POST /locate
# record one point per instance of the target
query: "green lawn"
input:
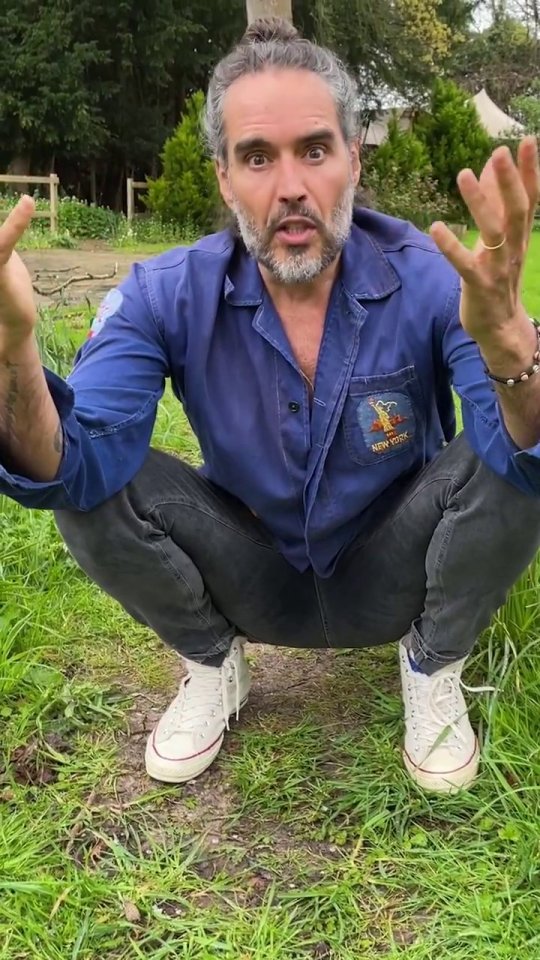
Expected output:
(531, 278)
(305, 841)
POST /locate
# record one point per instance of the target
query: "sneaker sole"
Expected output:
(450, 782)
(159, 768)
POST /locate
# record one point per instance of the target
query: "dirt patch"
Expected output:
(53, 267)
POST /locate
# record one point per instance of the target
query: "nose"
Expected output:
(290, 186)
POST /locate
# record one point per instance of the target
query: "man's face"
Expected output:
(290, 177)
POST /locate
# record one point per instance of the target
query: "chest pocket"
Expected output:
(382, 417)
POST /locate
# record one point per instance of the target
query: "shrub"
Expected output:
(187, 191)
(402, 154)
(453, 136)
(86, 221)
(414, 198)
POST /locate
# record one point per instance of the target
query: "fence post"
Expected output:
(53, 185)
(130, 199)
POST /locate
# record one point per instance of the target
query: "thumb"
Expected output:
(14, 226)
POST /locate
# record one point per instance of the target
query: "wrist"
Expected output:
(18, 350)
(510, 351)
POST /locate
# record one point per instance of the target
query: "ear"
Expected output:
(356, 166)
(223, 182)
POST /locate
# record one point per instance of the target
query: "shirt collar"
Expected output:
(366, 272)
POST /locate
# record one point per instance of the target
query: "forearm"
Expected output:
(506, 356)
(30, 431)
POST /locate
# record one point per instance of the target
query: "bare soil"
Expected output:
(50, 268)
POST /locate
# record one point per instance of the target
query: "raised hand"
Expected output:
(17, 307)
(502, 203)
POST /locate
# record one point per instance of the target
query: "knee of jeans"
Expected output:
(510, 505)
(90, 531)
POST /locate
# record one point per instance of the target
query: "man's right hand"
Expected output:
(18, 312)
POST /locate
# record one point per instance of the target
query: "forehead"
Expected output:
(278, 105)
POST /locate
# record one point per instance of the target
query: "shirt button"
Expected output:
(294, 406)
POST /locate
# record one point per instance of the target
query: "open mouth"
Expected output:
(296, 231)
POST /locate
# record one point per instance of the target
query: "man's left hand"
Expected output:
(502, 203)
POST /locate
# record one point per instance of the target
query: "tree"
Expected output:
(398, 44)
(401, 154)
(453, 135)
(526, 108)
(46, 105)
(187, 190)
(501, 58)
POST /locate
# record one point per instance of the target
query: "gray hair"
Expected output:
(273, 42)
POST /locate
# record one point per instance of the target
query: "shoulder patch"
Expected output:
(110, 304)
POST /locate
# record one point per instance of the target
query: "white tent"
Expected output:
(495, 121)
(376, 131)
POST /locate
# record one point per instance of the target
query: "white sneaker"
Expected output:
(441, 750)
(190, 733)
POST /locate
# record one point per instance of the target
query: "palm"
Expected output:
(502, 203)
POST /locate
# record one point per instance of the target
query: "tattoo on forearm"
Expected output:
(11, 400)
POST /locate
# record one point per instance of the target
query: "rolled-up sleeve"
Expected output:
(107, 406)
(483, 421)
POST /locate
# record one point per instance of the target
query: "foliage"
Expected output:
(86, 221)
(45, 100)
(399, 44)
(526, 108)
(401, 154)
(502, 58)
(453, 136)
(413, 197)
(187, 191)
(147, 229)
(101, 85)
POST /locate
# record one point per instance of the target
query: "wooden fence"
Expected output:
(131, 186)
(53, 181)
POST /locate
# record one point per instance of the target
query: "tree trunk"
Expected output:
(268, 8)
(19, 164)
(93, 183)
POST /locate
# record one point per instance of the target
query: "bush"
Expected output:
(86, 221)
(76, 219)
(402, 154)
(453, 136)
(415, 198)
(187, 192)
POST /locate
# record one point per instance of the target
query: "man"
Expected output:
(313, 350)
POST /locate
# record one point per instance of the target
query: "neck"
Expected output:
(316, 292)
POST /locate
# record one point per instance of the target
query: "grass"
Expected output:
(530, 280)
(305, 841)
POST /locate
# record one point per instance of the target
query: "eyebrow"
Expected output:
(259, 143)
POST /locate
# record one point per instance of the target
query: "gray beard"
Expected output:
(299, 266)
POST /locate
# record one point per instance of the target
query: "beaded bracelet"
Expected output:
(521, 377)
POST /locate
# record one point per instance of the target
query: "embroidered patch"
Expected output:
(109, 305)
(387, 421)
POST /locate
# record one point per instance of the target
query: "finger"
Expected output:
(515, 198)
(483, 207)
(454, 251)
(14, 226)
(529, 172)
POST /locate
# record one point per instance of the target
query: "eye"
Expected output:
(256, 160)
(316, 152)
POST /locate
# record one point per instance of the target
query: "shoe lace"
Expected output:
(438, 708)
(203, 688)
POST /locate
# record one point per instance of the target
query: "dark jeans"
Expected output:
(195, 565)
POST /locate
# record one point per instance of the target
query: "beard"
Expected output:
(298, 265)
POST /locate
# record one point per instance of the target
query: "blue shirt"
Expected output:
(315, 474)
